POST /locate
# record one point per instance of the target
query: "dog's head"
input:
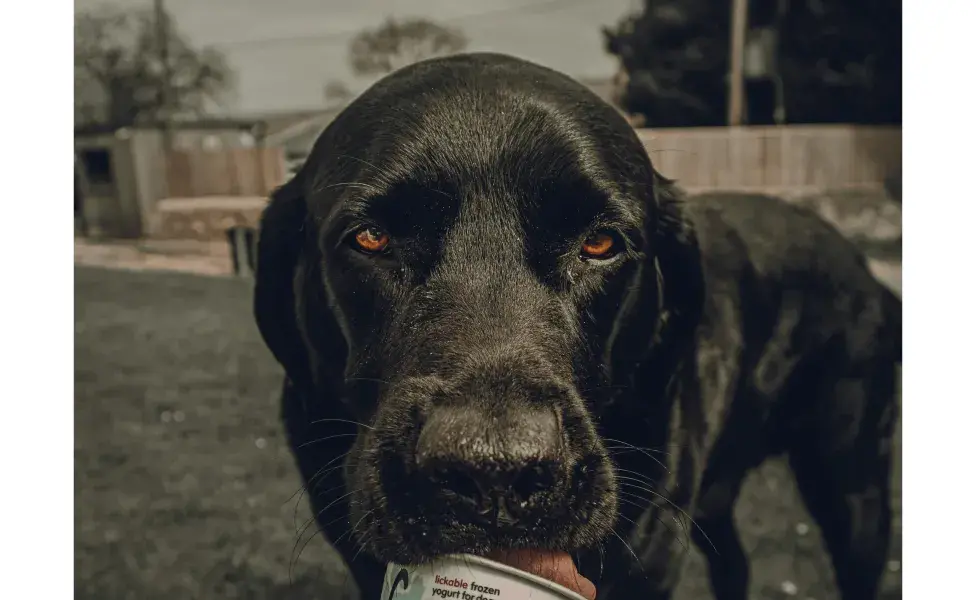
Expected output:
(476, 254)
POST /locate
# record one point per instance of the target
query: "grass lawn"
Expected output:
(184, 486)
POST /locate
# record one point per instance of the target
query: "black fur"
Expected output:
(728, 329)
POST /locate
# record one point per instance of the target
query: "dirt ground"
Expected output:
(184, 486)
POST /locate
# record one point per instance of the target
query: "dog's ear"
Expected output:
(667, 306)
(280, 280)
(679, 284)
(678, 264)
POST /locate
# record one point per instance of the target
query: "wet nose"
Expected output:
(492, 468)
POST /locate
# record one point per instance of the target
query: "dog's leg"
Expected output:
(843, 471)
(714, 531)
(715, 535)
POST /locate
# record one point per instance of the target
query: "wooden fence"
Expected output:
(226, 172)
(792, 159)
(785, 160)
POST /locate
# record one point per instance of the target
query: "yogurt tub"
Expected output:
(468, 577)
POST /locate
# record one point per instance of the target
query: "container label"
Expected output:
(409, 584)
(403, 585)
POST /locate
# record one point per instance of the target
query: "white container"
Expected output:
(467, 577)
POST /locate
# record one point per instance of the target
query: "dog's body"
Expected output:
(490, 357)
(796, 353)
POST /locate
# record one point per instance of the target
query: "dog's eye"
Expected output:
(371, 240)
(600, 245)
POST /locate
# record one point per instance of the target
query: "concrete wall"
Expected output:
(148, 156)
(111, 209)
(127, 208)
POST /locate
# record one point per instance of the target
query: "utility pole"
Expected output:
(779, 113)
(162, 42)
(737, 37)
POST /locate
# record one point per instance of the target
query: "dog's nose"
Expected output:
(492, 468)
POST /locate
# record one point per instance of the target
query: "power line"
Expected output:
(340, 36)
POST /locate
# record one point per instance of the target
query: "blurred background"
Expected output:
(189, 112)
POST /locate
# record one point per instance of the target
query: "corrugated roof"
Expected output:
(299, 138)
(206, 124)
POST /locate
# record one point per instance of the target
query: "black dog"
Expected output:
(479, 274)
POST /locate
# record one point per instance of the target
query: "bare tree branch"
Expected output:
(395, 44)
(118, 73)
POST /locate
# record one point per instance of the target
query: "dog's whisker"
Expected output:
(311, 487)
(322, 475)
(621, 450)
(644, 477)
(330, 467)
(629, 548)
(657, 518)
(314, 491)
(351, 531)
(294, 558)
(601, 552)
(648, 504)
(314, 488)
(624, 479)
(601, 388)
(670, 529)
(327, 438)
(368, 379)
(627, 446)
(362, 546)
(333, 503)
(677, 508)
(361, 161)
(311, 479)
(300, 531)
(369, 189)
(318, 530)
(297, 557)
(625, 517)
(317, 421)
(349, 184)
(642, 451)
(323, 470)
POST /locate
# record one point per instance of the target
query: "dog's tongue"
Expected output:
(557, 567)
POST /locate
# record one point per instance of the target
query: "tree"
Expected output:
(675, 56)
(839, 61)
(336, 92)
(395, 44)
(120, 79)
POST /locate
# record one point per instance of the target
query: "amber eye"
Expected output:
(599, 246)
(371, 240)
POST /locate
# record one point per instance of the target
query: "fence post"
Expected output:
(243, 250)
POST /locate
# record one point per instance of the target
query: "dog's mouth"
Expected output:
(408, 517)
(558, 567)
(446, 469)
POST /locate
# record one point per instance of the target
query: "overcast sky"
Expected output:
(284, 51)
